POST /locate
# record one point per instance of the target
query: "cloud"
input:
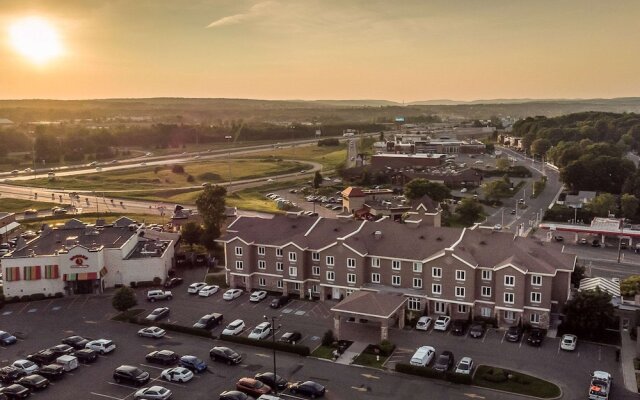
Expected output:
(255, 11)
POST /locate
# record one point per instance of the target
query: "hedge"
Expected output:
(171, 327)
(269, 344)
(431, 373)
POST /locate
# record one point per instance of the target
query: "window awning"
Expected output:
(86, 276)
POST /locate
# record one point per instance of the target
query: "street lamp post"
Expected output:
(273, 338)
(229, 138)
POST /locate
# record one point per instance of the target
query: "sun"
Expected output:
(36, 39)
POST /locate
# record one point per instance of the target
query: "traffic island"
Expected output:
(514, 382)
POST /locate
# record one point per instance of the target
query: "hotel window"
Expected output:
(279, 284)
(262, 282)
(315, 289)
(279, 253)
(351, 278)
(375, 278)
(239, 251)
(417, 267)
(436, 272)
(293, 271)
(534, 318)
(417, 283)
(536, 297)
(509, 280)
(51, 272)
(485, 311)
(331, 276)
(486, 291)
(239, 265)
(486, 275)
(375, 262)
(330, 261)
(296, 286)
(462, 308)
(414, 304)
(436, 288)
(460, 275)
(315, 270)
(509, 298)
(261, 250)
(395, 265)
(351, 262)
(536, 280)
(395, 280)
(439, 307)
(509, 315)
(279, 266)
(262, 264)
(293, 256)
(315, 256)
(459, 291)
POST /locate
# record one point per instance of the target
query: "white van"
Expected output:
(423, 356)
(67, 362)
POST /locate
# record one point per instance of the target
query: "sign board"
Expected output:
(318, 132)
(399, 119)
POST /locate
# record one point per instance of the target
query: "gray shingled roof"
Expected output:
(277, 231)
(367, 303)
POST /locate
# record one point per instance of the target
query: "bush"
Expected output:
(495, 375)
(268, 344)
(428, 372)
(157, 281)
(57, 295)
(190, 178)
(184, 329)
(143, 284)
(25, 298)
(328, 338)
(386, 348)
(177, 169)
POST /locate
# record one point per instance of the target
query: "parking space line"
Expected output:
(23, 308)
(106, 395)
(153, 366)
(72, 301)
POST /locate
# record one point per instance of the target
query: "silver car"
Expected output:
(153, 393)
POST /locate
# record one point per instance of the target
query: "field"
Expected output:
(19, 205)
(329, 156)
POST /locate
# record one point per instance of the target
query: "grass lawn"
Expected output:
(514, 382)
(328, 156)
(369, 360)
(19, 205)
(323, 352)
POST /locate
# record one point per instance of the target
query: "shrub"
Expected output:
(26, 297)
(495, 375)
(124, 298)
(185, 329)
(268, 344)
(177, 169)
(386, 348)
(487, 320)
(156, 281)
(143, 284)
(190, 178)
(328, 338)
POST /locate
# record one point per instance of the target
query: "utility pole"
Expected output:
(273, 338)
(229, 137)
(502, 217)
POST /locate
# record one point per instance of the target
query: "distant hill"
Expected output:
(446, 102)
(358, 103)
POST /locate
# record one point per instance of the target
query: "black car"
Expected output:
(43, 357)
(164, 357)
(536, 336)
(53, 372)
(172, 282)
(10, 374)
(279, 301)
(458, 327)
(291, 337)
(34, 382)
(15, 391)
(514, 333)
(476, 331)
(233, 395)
(86, 356)
(267, 378)
(209, 321)
(61, 350)
(130, 374)
(309, 388)
(6, 338)
(225, 354)
(444, 361)
(77, 342)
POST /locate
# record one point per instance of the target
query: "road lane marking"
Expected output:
(369, 376)
(23, 308)
(106, 395)
(153, 366)
(56, 308)
(7, 313)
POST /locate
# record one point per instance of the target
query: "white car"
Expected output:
(153, 393)
(234, 328)
(261, 331)
(258, 295)
(27, 366)
(463, 190)
(569, 342)
(465, 366)
(497, 227)
(177, 374)
(102, 346)
(194, 288)
(208, 290)
(424, 323)
(232, 294)
(442, 323)
(152, 332)
(423, 356)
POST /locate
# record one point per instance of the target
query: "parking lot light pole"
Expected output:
(273, 339)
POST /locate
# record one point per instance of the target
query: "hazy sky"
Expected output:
(329, 49)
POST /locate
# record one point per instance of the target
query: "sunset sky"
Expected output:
(323, 49)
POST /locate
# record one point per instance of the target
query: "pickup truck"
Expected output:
(600, 385)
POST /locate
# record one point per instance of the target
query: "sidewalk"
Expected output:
(628, 353)
(352, 352)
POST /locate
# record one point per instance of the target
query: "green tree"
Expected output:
(540, 146)
(317, 179)
(495, 190)
(419, 187)
(191, 233)
(469, 211)
(589, 313)
(123, 299)
(603, 205)
(502, 164)
(211, 207)
(630, 286)
(629, 205)
(577, 275)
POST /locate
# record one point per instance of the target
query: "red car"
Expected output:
(252, 387)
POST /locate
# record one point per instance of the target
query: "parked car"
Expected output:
(268, 379)
(458, 327)
(15, 391)
(173, 282)
(192, 363)
(102, 346)
(442, 323)
(262, 331)
(86, 356)
(61, 349)
(53, 372)
(465, 366)
(536, 336)
(10, 374)
(153, 393)
(27, 366)
(194, 288)
(42, 357)
(233, 395)
(252, 387)
(423, 323)
(279, 301)
(208, 290)
(234, 328)
(569, 342)
(497, 227)
(291, 337)
(164, 357)
(177, 374)
(152, 332)
(444, 361)
(476, 331)
(7, 338)
(232, 294)
(158, 314)
(34, 382)
(130, 374)
(514, 333)
(308, 388)
(423, 356)
(77, 342)
(225, 354)
(209, 321)
(258, 296)
(153, 295)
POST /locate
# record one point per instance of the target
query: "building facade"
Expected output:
(458, 272)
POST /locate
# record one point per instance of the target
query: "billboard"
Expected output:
(399, 119)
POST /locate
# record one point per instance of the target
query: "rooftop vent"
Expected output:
(377, 234)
